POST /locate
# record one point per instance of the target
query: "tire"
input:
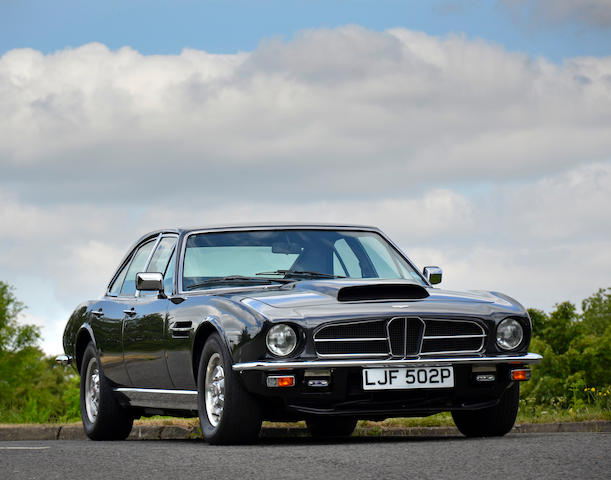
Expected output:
(493, 421)
(228, 414)
(328, 427)
(103, 417)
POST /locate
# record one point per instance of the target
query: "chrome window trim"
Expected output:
(354, 228)
(148, 261)
(129, 257)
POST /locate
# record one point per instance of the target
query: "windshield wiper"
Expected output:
(301, 273)
(234, 279)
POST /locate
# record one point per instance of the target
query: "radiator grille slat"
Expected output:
(399, 337)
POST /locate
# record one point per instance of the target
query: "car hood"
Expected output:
(340, 297)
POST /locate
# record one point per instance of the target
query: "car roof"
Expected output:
(278, 226)
(256, 226)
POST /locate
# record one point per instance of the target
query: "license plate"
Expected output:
(402, 378)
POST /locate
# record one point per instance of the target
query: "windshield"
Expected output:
(246, 257)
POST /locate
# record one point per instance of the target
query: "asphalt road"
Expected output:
(524, 456)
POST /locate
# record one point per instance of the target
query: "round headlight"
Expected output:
(509, 334)
(281, 340)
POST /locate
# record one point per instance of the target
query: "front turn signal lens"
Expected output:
(281, 381)
(520, 375)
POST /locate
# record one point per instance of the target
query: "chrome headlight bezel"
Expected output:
(278, 334)
(509, 334)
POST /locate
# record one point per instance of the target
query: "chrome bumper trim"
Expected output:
(64, 359)
(527, 358)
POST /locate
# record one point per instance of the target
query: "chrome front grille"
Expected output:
(399, 337)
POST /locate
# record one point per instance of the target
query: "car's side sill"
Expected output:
(527, 358)
(159, 398)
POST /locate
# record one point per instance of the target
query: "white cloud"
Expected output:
(492, 164)
(593, 12)
(323, 108)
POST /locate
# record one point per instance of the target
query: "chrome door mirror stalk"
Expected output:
(432, 274)
(150, 282)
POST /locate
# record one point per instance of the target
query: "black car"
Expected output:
(323, 323)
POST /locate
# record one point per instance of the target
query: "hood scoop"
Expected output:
(384, 291)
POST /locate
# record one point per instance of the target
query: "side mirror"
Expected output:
(150, 282)
(432, 275)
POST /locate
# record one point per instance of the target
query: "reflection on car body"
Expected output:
(326, 323)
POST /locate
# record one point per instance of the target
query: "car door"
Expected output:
(106, 319)
(145, 322)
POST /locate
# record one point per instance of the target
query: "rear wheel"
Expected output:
(493, 421)
(227, 412)
(321, 427)
(103, 417)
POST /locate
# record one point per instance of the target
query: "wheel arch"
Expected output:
(205, 329)
(83, 337)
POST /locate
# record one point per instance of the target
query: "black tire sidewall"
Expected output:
(212, 346)
(493, 421)
(112, 422)
(90, 427)
(241, 418)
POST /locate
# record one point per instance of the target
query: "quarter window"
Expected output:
(138, 265)
(118, 283)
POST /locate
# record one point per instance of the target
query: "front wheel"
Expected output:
(328, 427)
(227, 412)
(493, 421)
(103, 417)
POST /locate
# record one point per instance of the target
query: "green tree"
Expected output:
(32, 389)
(539, 319)
(561, 327)
(596, 316)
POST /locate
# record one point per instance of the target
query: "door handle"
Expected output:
(98, 313)
(131, 312)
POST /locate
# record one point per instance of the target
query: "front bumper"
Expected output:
(528, 358)
(344, 393)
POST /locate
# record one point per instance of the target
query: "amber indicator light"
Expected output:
(286, 381)
(281, 381)
(520, 375)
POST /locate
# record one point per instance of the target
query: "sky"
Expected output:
(477, 134)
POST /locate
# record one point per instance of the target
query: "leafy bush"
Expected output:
(576, 351)
(32, 388)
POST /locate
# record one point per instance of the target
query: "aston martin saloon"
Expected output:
(323, 323)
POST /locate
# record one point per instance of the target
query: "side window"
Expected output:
(168, 278)
(118, 283)
(346, 260)
(137, 265)
(163, 262)
(159, 262)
